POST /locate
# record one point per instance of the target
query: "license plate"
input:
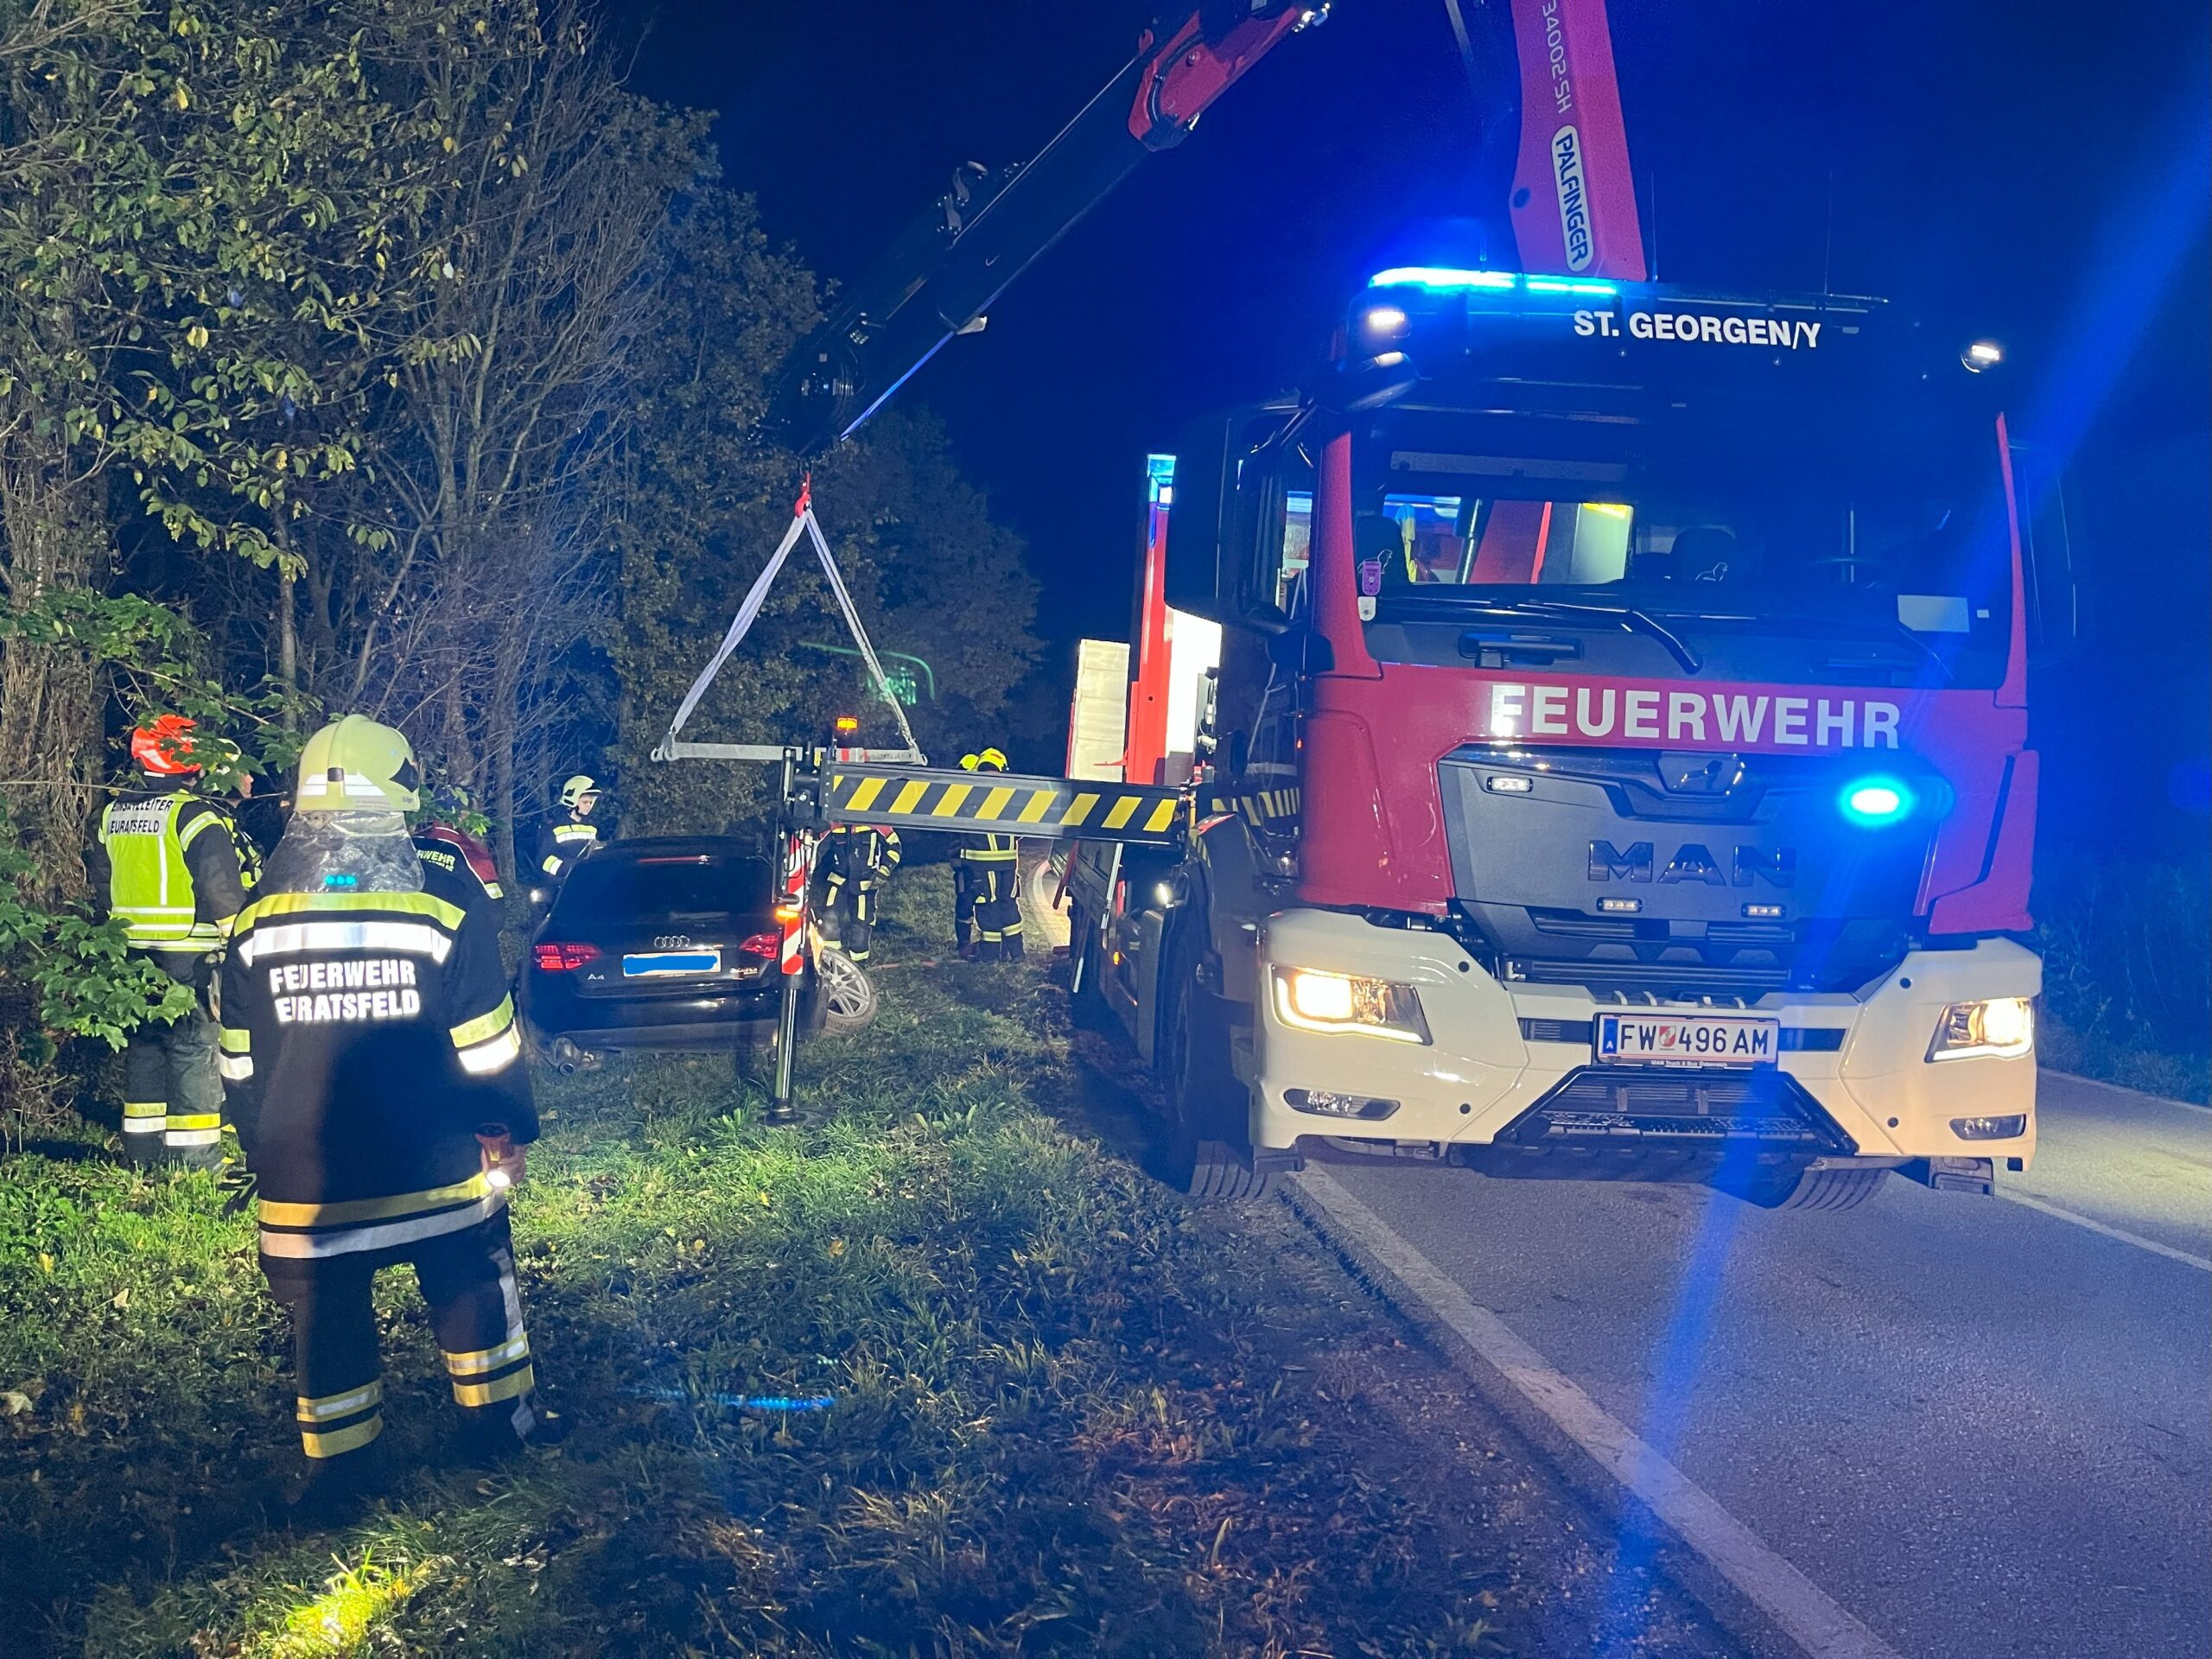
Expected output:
(1687, 1039)
(647, 965)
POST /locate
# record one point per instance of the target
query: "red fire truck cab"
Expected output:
(1616, 763)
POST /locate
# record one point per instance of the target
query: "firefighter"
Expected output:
(989, 858)
(456, 866)
(376, 1078)
(860, 858)
(564, 839)
(170, 863)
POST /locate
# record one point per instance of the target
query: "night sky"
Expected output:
(2034, 172)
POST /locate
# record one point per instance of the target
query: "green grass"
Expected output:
(1059, 1425)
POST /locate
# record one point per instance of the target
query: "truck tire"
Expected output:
(1207, 1126)
(1824, 1189)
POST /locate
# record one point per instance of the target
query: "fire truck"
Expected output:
(1581, 732)
(1608, 742)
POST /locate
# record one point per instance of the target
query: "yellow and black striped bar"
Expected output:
(1046, 808)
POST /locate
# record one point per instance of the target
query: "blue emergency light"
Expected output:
(1878, 802)
(1446, 279)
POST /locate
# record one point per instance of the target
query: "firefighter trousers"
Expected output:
(963, 908)
(998, 908)
(855, 904)
(859, 927)
(172, 1093)
(468, 1279)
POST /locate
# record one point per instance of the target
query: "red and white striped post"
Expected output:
(791, 916)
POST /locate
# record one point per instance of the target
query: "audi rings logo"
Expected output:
(670, 941)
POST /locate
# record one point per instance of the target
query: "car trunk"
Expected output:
(666, 927)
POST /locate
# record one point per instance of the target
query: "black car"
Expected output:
(673, 943)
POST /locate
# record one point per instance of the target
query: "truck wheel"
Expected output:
(1207, 1107)
(1822, 1189)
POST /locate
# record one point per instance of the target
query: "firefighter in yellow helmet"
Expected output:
(992, 881)
(167, 861)
(569, 834)
(377, 1080)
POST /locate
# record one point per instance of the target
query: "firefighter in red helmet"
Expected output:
(167, 861)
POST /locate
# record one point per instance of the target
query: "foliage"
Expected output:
(76, 972)
(159, 663)
(1071, 1415)
(2126, 981)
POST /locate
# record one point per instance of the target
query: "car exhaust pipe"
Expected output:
(566, 1056)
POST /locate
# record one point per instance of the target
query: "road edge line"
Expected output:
(2061, 1213)
(2200, 1108)
(1798, 1607)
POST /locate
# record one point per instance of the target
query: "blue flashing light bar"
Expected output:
(1444, 279)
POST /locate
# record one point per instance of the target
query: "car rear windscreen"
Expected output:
(620, 889)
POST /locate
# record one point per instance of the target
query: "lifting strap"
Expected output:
(803, 525)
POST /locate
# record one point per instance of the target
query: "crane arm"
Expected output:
(944, 273)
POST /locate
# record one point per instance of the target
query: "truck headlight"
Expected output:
(1997, 1027)
(1314, 1000)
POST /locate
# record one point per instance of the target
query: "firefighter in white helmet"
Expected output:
(568, 834)
(376, 1077)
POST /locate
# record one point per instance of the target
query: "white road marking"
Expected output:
(2202, 1109)
(1798, 1606)
(2137, 1239)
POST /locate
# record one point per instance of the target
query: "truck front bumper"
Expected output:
(1512, 1065)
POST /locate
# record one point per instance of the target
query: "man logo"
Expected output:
(1573, 197)
(1694, 861)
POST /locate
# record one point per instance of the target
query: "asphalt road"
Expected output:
(1979, 1427)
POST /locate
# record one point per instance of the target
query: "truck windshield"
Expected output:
(1903, 556)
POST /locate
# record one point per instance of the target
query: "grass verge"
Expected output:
(1065, 1413)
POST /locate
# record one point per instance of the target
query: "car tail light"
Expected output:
(769, 945)
(562, 958)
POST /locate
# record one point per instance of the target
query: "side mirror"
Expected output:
(1226, 518)
(1201, 516)
(2053, 599)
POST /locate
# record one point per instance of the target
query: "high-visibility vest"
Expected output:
(150, 884)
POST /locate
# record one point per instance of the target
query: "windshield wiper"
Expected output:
(1635, 620)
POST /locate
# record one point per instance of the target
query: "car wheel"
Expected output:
(1207, 1125)
(847, 995)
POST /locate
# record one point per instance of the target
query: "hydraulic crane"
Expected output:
(942, 275)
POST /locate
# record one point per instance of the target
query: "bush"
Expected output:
(2127, 984)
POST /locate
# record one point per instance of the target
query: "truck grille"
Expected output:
(1613, 1104)
(1637, 872)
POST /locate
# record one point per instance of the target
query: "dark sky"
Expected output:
(2037, 172)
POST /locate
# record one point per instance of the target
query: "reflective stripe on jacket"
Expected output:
(173, 872)
(365, 1039)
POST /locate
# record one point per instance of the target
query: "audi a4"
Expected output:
(673, 943)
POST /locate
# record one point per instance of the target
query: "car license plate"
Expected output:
(1687, 1039)
(647, 965)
